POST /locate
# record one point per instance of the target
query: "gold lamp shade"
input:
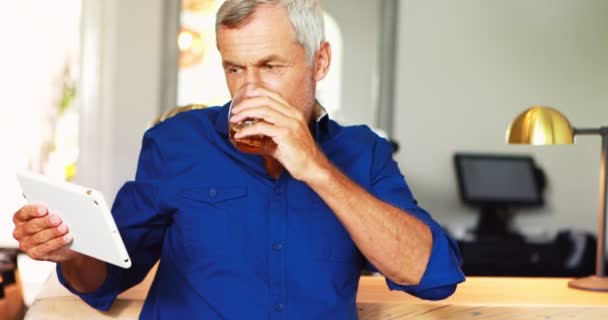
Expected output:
(540, 125)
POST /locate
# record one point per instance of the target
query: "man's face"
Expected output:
(263, 50)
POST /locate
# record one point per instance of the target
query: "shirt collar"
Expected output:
(319, 112)
(320, 115)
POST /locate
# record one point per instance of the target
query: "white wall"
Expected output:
(468, 67)
(122, 70)
(359, 21)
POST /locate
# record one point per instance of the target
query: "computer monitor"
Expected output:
(497, 184)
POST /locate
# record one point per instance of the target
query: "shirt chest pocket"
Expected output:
(209, 220)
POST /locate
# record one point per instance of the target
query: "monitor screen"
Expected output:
(498, 180)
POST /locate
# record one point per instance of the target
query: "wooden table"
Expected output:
(478, 298)
(486, 298)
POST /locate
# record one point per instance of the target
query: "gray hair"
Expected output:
(305, 16)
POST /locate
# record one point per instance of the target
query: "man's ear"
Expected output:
(322, 61)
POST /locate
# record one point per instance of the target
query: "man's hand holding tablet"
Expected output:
(70, 225)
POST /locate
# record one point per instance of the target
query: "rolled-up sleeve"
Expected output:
(443, 271)
(141, 221)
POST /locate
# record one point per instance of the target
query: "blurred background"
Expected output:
(81, 80)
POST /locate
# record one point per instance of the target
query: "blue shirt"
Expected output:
(235, 243)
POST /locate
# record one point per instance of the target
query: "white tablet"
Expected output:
(85, 212)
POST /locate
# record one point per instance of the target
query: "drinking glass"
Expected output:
(255, 144)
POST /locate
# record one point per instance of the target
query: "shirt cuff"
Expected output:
(442, 272)
(103, 297)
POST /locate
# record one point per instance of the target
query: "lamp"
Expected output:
(192, 47)
(545, 125)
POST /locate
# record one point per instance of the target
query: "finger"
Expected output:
(265, 101)
(42, 251)
(30, 240)
(39, 224)
(262, 112)
(261, 128)
(28, 212)
(19, 232)
(48, 234)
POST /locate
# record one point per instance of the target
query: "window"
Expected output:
(39, 122)
(39, 125)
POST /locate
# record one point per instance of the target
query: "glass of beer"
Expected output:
(255, 144)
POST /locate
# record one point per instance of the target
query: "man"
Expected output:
(240, 236)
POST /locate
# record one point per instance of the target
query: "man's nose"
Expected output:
(249, 89)
(254, 80)
(254, 76)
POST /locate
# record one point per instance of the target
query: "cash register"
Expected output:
(499, 186)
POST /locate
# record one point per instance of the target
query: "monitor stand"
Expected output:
(494, 223)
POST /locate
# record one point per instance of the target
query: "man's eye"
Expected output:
(234, 70)
(270, 67)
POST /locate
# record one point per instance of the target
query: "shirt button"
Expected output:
(277, 246)
(277, 189)
(278, 307)
(212, 193)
